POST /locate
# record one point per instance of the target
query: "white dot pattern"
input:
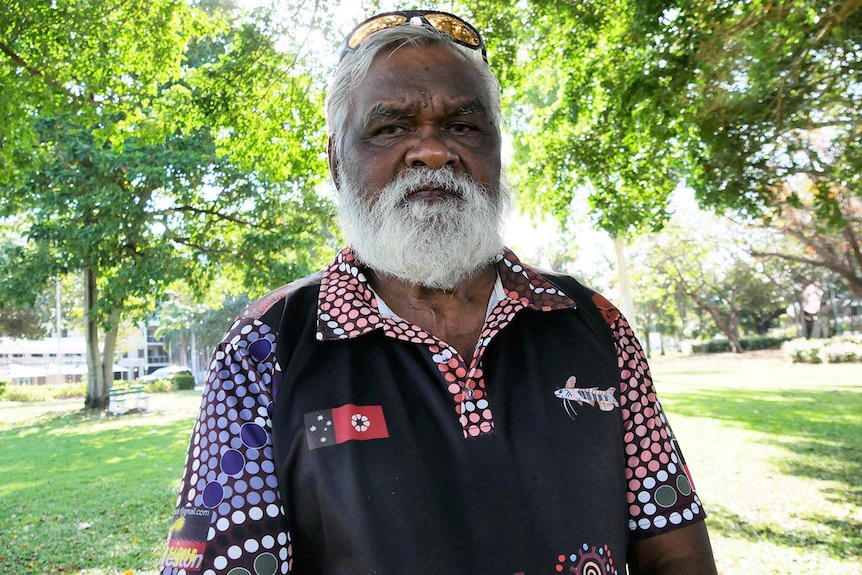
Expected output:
(347, 308)
(229, 468)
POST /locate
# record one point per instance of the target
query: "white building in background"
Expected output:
(41, 361)
(64, 360)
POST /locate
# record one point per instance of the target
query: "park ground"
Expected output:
(775, 450)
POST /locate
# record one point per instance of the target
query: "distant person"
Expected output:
(812, 297)
(429, 404)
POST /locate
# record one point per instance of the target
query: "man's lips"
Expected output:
(431, 193)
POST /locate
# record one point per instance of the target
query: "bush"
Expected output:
(28, 393)
(841, 349)
(176, 382)
(159, 386)
(69, 390)
(763, 342)
(748, 344)
(182, 381)
(712, 346)
(3, 384)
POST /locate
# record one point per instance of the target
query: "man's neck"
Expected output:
(455, 316)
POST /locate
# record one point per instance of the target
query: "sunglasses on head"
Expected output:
(459, 30)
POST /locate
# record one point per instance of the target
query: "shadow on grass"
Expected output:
(82, 442)
(820, 428)
(838, 539)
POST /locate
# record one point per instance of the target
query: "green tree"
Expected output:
(630, 97)
(701, 260)
(147, 160)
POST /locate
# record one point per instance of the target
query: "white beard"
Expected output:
(436, 244)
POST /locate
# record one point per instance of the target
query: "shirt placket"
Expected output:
(347, 308)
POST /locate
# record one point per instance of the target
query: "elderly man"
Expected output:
(429, 404)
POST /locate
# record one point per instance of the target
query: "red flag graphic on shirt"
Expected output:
(346, 423)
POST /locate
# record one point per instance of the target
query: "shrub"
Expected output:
(763, 342)
(183, 381)
(69, 390)
(748, 344)
(841, 349)
(712, 346)
(31, 393)
(27, 393)
(802, 351)
(159, 386)
(3, 384)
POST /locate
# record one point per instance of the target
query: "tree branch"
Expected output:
(19, 62)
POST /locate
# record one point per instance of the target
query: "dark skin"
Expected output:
(424, 106)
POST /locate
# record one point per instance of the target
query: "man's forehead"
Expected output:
(420, 76)
(389, 108)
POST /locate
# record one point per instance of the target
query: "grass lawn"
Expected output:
(775, 450)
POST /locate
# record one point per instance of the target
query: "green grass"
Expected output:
(85, 492)
(776, 453)
(775, 449)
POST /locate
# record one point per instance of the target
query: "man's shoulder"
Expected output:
(277, 297)
(584, 296)
(568, 284)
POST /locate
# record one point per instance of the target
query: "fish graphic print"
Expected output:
(592, 396)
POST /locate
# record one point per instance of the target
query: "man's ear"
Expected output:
(333, 161)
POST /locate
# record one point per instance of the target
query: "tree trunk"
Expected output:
(626, 304)
(728, 326)
(183, 350)
(108, 350)
(100, 362)
(97, 391)
(195, 359)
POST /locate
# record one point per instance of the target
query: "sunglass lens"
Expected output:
(455, 28)
(381, 23)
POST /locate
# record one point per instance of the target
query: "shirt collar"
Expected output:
(347, 306)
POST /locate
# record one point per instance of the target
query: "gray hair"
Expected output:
(353, 68)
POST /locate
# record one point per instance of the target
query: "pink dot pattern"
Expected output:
(660, 492)
(347, 308)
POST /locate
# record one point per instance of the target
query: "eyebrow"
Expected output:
(474, 106)
(384, 112)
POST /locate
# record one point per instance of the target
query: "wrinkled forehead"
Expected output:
(423, 76)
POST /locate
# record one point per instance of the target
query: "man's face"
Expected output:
(419, 173)
(420, 106)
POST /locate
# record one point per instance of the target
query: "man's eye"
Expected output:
(461, 128)
(390, 130)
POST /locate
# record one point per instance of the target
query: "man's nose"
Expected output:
(430, 149)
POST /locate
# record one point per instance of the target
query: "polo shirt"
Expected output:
(333, 439)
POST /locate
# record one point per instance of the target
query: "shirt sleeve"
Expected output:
(229, 517)
(661, 494)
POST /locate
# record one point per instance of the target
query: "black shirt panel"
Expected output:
(426, 499)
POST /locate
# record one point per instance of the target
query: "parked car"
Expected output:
(164, 373)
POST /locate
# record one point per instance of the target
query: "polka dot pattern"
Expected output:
(659, 489)
(588, 560)
(347, 307)
(230, 469)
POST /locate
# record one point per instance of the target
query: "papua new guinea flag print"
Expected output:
(346, 423)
